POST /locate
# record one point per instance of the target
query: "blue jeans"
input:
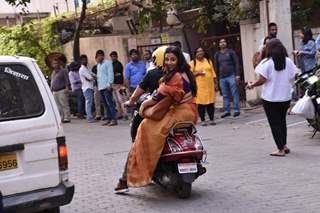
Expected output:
(229, 84)
(107, 100)
(80, 101)
(88, 94)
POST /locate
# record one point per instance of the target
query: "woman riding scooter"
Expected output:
(177, 85)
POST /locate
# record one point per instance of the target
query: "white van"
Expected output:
(33, 154)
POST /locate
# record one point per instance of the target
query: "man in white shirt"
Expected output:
(273, 32)
(186, 55)
(87, 80)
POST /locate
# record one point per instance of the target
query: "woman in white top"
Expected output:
(276, 73)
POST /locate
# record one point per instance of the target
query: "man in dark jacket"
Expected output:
(228, 68)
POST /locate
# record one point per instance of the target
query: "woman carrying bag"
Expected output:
(202, 68)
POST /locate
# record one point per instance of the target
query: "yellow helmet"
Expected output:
(158, 56)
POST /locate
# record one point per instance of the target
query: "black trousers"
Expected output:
(276, 113)
(202, 111)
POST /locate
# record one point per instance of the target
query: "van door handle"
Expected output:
(11, 148)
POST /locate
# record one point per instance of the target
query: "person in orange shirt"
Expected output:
(202, 68)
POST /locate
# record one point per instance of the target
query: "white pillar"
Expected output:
(280, 13)
(251, 35)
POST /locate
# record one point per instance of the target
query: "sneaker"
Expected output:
(121, 187)
(106, 123)
(66, 121)
(120, 117)
(97, 118)
(80, 116)
(113, 123)
(236, 114)
(105, 119)
(203, 123)
(92, 121)
(226, 114)
(212, 123)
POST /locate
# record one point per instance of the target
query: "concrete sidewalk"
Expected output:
(241, 177)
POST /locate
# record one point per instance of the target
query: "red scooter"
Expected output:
(181, 159)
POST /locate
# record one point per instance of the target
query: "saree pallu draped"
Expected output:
(150, 140)
(151, 136)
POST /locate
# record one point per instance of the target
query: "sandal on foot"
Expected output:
(277, 154)
(121, 187)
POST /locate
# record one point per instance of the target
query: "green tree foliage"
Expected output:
(35, 39)
(211, 11)
(303, 11)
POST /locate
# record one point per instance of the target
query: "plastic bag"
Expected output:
(304, 107)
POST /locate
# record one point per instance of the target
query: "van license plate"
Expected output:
(187, 168)
(8, 161)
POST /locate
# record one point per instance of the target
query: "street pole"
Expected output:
(67, 5)
(75, 7)
(267, 14)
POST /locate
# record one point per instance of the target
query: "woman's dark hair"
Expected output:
(206, 56)
(264, 52)
(182, 67)
(266, 39)
(308, 35)
(278, 53)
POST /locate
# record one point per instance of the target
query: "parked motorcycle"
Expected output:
(310, 82)
(182, 157)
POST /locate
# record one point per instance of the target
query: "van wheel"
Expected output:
(184, 190)
(54, 210)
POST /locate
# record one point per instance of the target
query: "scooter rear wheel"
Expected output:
(184, 189)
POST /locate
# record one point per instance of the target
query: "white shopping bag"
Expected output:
(304, 107)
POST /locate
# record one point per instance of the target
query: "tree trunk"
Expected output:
(76, 39)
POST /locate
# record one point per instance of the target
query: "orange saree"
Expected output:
(151, 136)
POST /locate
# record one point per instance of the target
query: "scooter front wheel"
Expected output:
(184, 189)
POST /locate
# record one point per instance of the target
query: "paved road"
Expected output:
(241, 176)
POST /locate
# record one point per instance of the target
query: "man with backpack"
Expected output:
(228, 70)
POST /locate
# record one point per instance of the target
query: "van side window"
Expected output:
(19, 93)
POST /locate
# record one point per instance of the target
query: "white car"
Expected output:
(33, 153)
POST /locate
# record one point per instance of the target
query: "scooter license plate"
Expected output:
(187, 168)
